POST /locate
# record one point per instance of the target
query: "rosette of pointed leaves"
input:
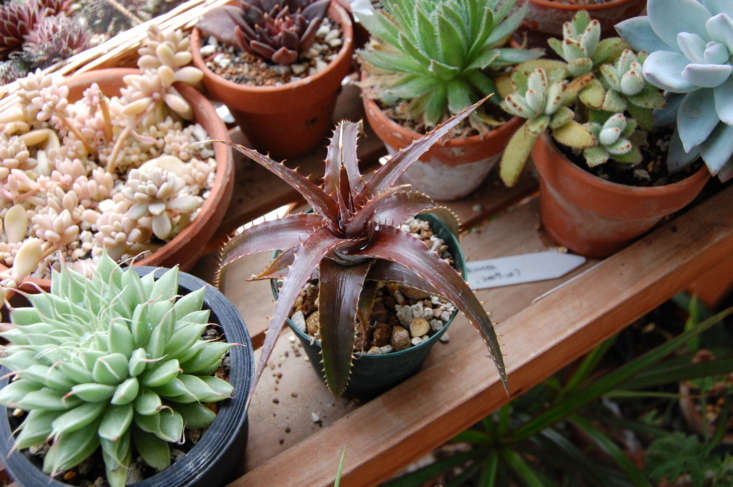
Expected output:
(115, 361)
(353, 236)
(54, 37)
(277, 30)
(16, 21)
(435, 52)
(691, 51)
(543, 101)
(613, 142)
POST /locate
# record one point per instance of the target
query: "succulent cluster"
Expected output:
(596, 102)
(354, 236)
(114, 361)
(120, 175)
(36, 33)
(439, 54)
(277, 30)
(690, 45)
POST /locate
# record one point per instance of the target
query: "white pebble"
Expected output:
(222, 61)
(334, 42)
(445, 316)
(298, 68)
(404, 314)
(444, 337)
(208, 50)
(315, 418)
(436, 325)
(386, 349)
(416, 340)
(298, 320)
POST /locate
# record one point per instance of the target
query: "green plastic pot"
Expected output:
(373, 374)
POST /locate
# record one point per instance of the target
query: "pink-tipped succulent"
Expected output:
(354, 236)
(277, 30)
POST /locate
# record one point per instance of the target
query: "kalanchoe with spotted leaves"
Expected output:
(115, 362)
(354, 236)
(277, 30)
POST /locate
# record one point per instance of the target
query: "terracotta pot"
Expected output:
(548, 16)
(186, 247)
(288, 120)
(594, 217)
(451, 169)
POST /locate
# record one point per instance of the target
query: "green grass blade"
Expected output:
(522, 469)
(489, 470)
(425, 474)
(638, 477)
(340, 468)
(612, 380)
(474, 437)
(587, 366)
(678, 372)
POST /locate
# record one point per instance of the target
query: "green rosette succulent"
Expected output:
(690, 45)
(115, 362)
(438, 54)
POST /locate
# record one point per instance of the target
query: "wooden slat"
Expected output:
(451, 394)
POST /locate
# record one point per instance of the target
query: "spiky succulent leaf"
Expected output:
(439, 48)
(339, 244)
(116, 342)
(339, 290)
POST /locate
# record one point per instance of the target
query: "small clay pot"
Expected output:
(547, 16)
(288, 120)
(595, 217)
(451, 169)
(374, 374)
(186, 247)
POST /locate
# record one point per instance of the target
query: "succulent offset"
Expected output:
(601, 81)
(436, 53)
(353, 236)
(690, 45)
(543, 101)
(277, 30)
(120, 175)
(115, 362)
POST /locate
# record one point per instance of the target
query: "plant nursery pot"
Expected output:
(374, 374)
(186, 247)
(595, 217)
(218, 456)
(547, 16)
(288, 120)
(451, 169)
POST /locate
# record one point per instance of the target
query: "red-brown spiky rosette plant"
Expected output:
(353, 236)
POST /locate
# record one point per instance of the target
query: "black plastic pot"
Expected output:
(218, 456)
(374, 374)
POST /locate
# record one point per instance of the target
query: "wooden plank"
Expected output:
(451, 394)
(254, 299)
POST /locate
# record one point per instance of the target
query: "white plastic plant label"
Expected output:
(518, 269)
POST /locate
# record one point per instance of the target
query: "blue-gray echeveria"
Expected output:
(691, 52)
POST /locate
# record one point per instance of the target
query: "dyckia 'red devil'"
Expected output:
(353, 236)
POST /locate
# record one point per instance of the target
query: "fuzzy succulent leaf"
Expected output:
(516, 154)
(439, 48)
(116, 344)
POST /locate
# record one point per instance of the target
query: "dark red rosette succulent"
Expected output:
(353, 236)
(277, 30)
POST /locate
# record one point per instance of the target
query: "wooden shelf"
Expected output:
(543, 326)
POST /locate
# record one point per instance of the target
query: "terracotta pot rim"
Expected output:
(618, 188)
(592, 7)
(410, 134)
(346, 47)
(224, 170)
